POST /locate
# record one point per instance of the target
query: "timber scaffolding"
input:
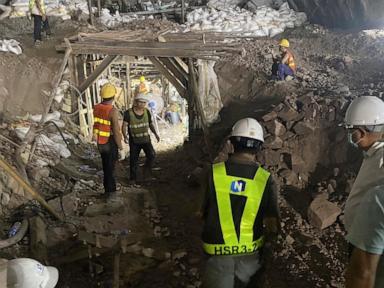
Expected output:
(173, 55)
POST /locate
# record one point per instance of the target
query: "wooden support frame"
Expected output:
(96, 74)
(175, 71)
(171, 78)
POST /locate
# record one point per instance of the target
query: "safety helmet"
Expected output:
(284, 43)
(108, 90)
(29, 273)
(141, 97)
(142, 78)
(365, 111)
(248, 128)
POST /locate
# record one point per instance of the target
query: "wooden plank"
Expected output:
(179, 67)
(38, 240)
(171, 66)
(179, 87)
(96, 74)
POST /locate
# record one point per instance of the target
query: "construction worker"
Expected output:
(241, 197)
(366, 267)
(107, 134)
(364, 120)
(136, 126)
(40, 20)
(27, 273)
(285, 66)
(142, 88)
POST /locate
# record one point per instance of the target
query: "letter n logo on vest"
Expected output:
(238, 186)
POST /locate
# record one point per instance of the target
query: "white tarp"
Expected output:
(264, 21)
(209, 92)
(10, 45)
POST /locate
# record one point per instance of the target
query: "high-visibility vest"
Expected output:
(102, 124)
(139, 128)
(252, 190)
(291, 61)
(33, 7)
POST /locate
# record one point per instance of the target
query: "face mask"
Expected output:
(350, 140)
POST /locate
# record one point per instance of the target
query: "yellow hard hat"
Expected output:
(108, 90)
(142, 78)
(284, 43)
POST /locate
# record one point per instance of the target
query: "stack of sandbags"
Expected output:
(111, 21)
(10, 46)
(265, 21)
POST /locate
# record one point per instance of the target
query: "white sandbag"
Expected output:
(275, 31)
(55, 115)
(44, 142)
(10, 45)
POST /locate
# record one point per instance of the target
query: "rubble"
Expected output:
(323, 213)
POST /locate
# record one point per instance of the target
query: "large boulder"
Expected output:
(322, 213)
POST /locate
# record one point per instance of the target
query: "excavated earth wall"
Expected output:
(341, 13)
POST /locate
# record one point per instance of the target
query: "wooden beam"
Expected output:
(98, 71)
(183, 69)
(171, 66)
(179, 87)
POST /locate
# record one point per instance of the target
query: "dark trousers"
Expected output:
(134, 153)
(39, 26)
(109, 156)
(284, 71)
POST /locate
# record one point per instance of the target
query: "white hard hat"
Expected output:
(365, 111)
(248, 127)
(29, 273)
(141, 97)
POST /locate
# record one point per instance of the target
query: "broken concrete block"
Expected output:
(275, 128)
(322, 213)
(272, 157)
(270, 116)
(5, 198)
(290, 177)
(304, 128)
(274, 143)
(68, 203)
(38, 173)
(288, 114)
(298, 163)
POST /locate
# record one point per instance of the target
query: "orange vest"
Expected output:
(102, 124)
(291, 61)
(143, 88)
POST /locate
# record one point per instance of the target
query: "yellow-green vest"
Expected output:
(33, 7)
(139, 128)
(253, 189)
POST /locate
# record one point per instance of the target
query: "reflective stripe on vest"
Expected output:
(253, 190)
(102, 126)
(101, 121)
(139, 127)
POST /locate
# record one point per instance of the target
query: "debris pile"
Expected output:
(263, 21)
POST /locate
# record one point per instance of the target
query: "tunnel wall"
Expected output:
(342, 13)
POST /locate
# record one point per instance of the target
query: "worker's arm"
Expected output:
(116, 128)
(272, 213)
(285, 59)
(152, 127)
(124, 129)
(361, 272)
(367, 236)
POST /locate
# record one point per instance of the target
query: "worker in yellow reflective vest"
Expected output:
(241, 198)
(107, 134)
(38, 11)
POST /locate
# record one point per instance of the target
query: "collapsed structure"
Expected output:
(217, 66)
